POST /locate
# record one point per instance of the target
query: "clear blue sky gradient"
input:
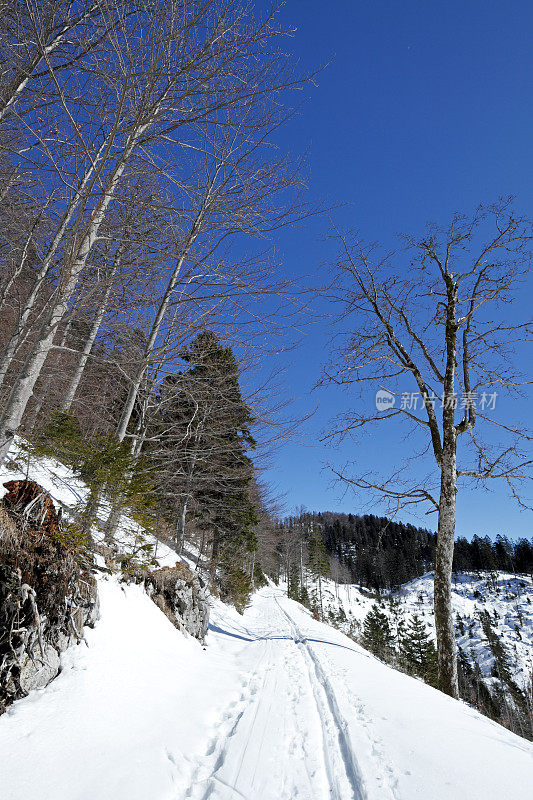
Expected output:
(425, 109)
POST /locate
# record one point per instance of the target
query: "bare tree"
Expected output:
(434, 312)
(39, 40)
(233, 192)
(167, 68)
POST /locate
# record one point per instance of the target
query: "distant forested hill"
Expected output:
(382, 554)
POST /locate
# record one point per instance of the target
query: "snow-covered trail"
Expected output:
(288, 739)
(327, 720)
(277, 707)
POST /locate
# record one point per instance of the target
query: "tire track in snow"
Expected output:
(334, 727)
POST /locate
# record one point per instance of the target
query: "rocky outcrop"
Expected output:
(181, 595)
(46, 597)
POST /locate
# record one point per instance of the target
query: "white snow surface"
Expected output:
(69, 493)
(277, 707)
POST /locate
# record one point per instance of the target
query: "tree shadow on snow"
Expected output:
(304, 640)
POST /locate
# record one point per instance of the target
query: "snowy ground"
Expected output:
(277, 707)
(69, 493)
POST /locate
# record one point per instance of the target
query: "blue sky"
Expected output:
(426, 108)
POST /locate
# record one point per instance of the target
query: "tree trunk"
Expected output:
(16, 337)
(24, 385)
(446, 649)
(136, 383)
(112, 523)
(93, 333)
(90, 511)
(30, 421)
(180, 527)
(117, 506)
(18, 269)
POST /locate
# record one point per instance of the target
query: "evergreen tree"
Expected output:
(502, 671)
(293, 589)
(396, 620)
(318, 562)
(502, 665)
(106, 466)
(377, 634)
(206, 433)
(417, 651)
(382, 554)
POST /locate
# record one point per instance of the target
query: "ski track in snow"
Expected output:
(247, 735)
(339, 759)
(238, 744)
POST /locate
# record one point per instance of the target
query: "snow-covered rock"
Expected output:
(180, 594)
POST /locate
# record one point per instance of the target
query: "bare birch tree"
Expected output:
(39, 40)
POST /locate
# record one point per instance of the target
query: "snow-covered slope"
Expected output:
(69, 493)
(507, 598)
(278, 707)
(509, 601)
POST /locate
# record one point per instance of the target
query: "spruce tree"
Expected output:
(377, 634)
(206, 430)
(417, 651)
(318, 562)
(293, 588)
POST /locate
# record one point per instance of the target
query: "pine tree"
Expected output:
(206, 430)
(417, 651)
(318, 562)
(377, 634)
(293, 588)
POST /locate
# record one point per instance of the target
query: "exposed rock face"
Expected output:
(180, 594)
(46, 598)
